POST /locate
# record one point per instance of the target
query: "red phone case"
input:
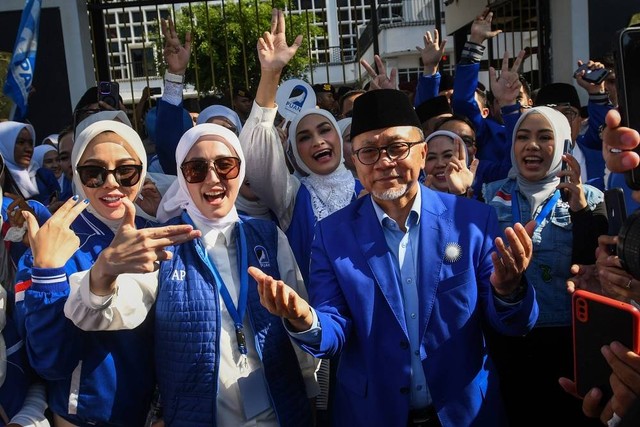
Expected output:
(599, 320)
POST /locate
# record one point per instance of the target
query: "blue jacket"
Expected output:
(355, 291)
(187, 348)
(552, 248)
(112, 372)
(303, 222)
(19, 374)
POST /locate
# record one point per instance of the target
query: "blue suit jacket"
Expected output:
(355, 291)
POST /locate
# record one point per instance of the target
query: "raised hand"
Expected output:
(506, 88)
(176, 55)
(135, 251)
(380, 80)
(510, 262)
(282, 301)
(591, 88)
(432, 52)
(481, 27)
(273, 51)
(55, 242)
(460, 177)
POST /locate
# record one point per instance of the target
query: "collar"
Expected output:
(415, 211)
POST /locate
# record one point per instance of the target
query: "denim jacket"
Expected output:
(552, 247)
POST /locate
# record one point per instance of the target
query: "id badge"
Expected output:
(253, 390)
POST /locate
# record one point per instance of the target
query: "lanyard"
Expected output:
(546, 209)
(237, 314)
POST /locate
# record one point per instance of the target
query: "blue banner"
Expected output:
(23, 61)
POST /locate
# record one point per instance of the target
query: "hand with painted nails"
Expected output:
(55, 242)
(135, 250)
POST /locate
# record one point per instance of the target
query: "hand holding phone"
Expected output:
(597, 321)
(595, 76)
(109, 93)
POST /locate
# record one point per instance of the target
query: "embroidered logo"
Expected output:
(262, 255)
(453, 252)
(178, 274)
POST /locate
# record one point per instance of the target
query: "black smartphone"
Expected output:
(109, 92)
(596, 76)
(627, 59)
(616, 212)
(565, 194)
(599, 320)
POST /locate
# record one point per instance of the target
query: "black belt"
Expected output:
(425, 417)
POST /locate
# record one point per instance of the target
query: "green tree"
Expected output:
(223, 43)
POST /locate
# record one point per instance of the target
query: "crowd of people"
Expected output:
(392, 256)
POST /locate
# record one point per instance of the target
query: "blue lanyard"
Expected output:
(237, 314)
(546, 210)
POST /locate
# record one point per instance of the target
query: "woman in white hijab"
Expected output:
(22, 176)
(207, 309)
(113, 376)
(46, 156)
(566, 232)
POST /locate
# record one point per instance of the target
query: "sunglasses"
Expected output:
(94, 176)
(196, 171)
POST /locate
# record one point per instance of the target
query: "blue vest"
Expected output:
(188, 330)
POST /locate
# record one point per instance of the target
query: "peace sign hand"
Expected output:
(55, 242)
(380, 81)
(506, 88)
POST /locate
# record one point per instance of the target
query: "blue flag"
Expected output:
(23, 61)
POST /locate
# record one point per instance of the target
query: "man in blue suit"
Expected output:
(402, 283)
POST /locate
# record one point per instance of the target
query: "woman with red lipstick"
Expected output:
(93, 378)
(221, 358)
(22, 176)
(566, 233)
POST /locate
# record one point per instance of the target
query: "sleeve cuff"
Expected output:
(600, 98)
(473, 52)
(310, 336)
(48, 279)
(263, 115)
(172, 92)
(510, 109)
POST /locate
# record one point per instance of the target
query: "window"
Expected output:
(142, 61)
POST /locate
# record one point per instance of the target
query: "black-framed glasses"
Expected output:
(395, 151)
(195, 171)
(566, 109)
(94, 176)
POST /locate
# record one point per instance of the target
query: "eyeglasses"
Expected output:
(196, 171)
(93, 176)
(565, 109)
(468, 140)
(395, 151)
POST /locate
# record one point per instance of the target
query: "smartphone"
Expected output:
(616, 213)
(596, 76)
(627, 59)
(599, 320)
(565, 194)
(109, 92)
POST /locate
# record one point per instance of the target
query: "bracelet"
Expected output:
(174, 78)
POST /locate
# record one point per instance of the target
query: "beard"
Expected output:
(392, 193)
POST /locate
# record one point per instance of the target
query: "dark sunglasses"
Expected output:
(196, 171)
(94, 176)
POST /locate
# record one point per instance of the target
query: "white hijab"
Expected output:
(328, 192)
(454, 137)
(537, 192)
(117, 115)
(220, 111)
(25, 178)
(80, 145)
(39, 152)
(177, 197)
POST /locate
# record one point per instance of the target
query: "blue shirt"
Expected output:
(404, 247)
